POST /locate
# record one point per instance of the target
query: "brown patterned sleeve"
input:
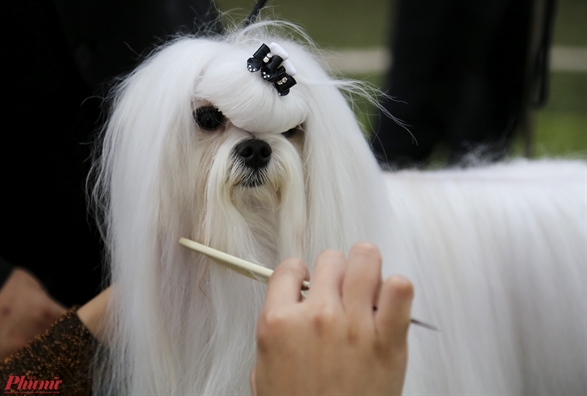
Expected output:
(56, 362)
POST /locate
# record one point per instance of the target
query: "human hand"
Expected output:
(333, 342)
(92, 315)
(26, 310)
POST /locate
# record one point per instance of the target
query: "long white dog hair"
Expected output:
(497, 255)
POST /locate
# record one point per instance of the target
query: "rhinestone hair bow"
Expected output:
(272, 61)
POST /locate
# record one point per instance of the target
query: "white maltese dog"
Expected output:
(252, 149)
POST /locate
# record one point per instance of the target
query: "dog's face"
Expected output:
(255, 160)
(237, 163)
(249, 171)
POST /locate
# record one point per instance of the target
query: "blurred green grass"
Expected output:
(330, 23)
(560, 128)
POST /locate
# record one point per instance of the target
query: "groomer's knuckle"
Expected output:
(273, 321)
(324, 320)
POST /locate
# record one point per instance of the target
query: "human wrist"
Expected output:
(93, 312)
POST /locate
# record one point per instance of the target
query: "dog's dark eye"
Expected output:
(290, 133)
(209, 118)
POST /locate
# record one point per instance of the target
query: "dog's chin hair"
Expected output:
(264, 223)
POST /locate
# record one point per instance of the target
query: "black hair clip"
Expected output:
(259, 57)
(283, 82)
(273, 62)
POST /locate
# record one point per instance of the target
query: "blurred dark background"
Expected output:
(359, 31)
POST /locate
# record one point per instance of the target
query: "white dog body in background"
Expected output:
(497, 255)
(498, 259)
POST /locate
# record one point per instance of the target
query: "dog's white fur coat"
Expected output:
(497, 254)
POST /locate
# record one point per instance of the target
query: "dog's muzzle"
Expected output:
(254, 155)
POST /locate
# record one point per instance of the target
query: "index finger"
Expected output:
(285, 284)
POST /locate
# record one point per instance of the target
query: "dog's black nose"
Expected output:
(254, 152)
